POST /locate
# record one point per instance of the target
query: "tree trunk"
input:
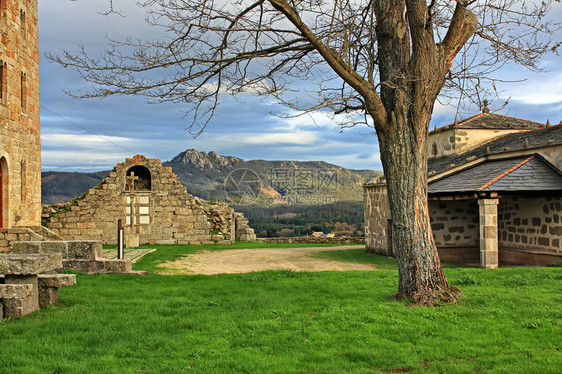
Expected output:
(404, 159)
(412, 72)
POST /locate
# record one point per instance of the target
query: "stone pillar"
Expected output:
(488, 233)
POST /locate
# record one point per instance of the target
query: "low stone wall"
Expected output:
(312, 239)
(530, 223)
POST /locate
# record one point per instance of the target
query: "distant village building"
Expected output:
(154, 207)
(495, 193)
(20, 143)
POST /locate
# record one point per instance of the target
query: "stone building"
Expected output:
(154, 207)
(20, 144)
(494, 194)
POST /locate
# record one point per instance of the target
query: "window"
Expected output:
(140, 206)
(23, 26)
(23, 90)
(23, 177)
(3, 72)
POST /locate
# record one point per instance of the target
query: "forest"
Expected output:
(342, 218)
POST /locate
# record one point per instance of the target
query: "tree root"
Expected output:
(434, 297)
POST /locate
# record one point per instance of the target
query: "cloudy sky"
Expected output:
(91, 135)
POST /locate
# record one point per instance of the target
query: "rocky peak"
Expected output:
(204, 160)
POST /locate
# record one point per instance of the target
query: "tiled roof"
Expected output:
(492, 121)
(518, 174)
(513, 142)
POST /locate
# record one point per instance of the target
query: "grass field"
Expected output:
(509, 321)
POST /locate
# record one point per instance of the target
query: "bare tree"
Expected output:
(387, 60)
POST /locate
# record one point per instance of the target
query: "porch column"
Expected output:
(488, 233)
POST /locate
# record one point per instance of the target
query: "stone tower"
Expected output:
(20, 143)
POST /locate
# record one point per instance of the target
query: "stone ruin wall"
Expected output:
(172, 216)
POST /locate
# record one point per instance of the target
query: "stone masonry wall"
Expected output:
(166, 213)
(455, 141)
(20, 143)
(530, 223)
(377, 214)
(316, 240)
(24, 233)
(455, 223)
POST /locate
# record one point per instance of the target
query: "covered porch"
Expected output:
(499, 213)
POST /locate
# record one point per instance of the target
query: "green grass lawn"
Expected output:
(509, 320)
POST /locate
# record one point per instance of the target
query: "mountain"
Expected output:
(211, 176)
(59, 187)
(215, 177)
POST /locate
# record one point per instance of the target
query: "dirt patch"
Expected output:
(249, 260)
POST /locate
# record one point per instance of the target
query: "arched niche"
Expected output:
(138, 179)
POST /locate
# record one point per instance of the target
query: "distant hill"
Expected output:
(211, 176)
(59, 187)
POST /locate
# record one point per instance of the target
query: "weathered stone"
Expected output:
(84, 249)
(48, 285)
(99, 266)
(24, 264)
(132, 240)
(15, 291)
(26, 247)
(47, 296)
(56, 280)
(18, 307)
(544, 241)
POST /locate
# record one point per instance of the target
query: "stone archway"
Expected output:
(138, 179)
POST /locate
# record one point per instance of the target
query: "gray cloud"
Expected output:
(243, 128)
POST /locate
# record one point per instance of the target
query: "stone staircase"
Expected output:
(81, 255)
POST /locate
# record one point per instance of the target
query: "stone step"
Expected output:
(29, 264)
(56, 280)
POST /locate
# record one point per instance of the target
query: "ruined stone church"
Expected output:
(153, 206)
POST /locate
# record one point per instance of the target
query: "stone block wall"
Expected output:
(20, 143)
(454, 141)
(377, 216)
(455, 223)
(164, 212)
(531, 223)
(316, 240)
(243, 232)
(9, 236)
